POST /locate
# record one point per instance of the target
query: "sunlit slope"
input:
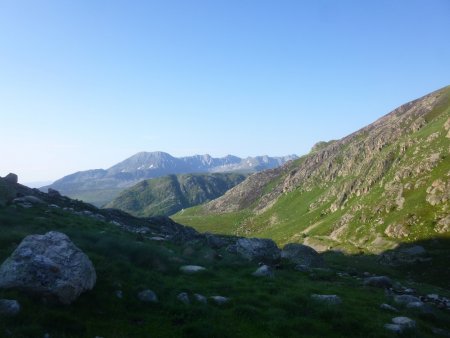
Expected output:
(386, 183)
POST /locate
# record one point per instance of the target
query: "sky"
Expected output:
(85, 84)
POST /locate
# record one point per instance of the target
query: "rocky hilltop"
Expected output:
(385, 183)
(100, 186)
(167, 195)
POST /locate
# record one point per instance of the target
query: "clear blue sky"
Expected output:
(85, 84)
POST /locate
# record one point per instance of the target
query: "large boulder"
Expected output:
(302, 255)
(50, 266)
(258, 250)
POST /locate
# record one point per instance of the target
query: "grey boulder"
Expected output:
(302, 255)
(328, 299)
(148, 296)
(9, 307)
(382, 282)
(258, 250)
(50, 266)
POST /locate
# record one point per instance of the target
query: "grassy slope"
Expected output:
(169, 194)
(291, 220)
(279, 307)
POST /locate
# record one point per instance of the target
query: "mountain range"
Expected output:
(384, 184)
(100, 186)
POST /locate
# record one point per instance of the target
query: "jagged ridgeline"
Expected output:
(170, 194)
(385, 183)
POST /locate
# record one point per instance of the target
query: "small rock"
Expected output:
(148, 296)
(329, 299)
(220, 300)
(433, 296)
(119, 294)
(394, 328)
(302, 268)
(378, 282)
(409, 291)
(388, 307)
(405, 322)
(200, 298)
(440, 332)
(191, 269)
(184, 298)
(263, 271)
(9, 307)
(406, 299)
(157, 239)
(415, 305)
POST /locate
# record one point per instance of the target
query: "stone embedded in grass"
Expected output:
(200, 298)
(263, 271)
(49, 266)
(220, 300)
(406, 299)
(394, 328)
(405, 322)
(329, 299)
(191, 269)
(9, 307)
(378, 282)
(148, 296)
(119, 294)
(184, 298)
(388, 307)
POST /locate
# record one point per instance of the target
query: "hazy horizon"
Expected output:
(84, 85)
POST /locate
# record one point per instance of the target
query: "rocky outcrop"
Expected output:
(50, 266)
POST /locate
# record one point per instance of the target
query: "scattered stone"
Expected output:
(191, 269)
(157, 239)
(329, 299)
(28, 199)
(406, 299)
(302, 255)
(50, 266)
(415, 305)
(200, 298)
(378, 282)
(405, 322)
(394, 328)
(11, 178)
(54, 206)
(388, 307)
(184, 298)
(148, 296)
(440, 332)
(263, 271)
(220, 300)
(9, 307)
(258, 250)
(433, 296)
(119, 294)
(302, 268)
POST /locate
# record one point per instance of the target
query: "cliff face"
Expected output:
(389, 179)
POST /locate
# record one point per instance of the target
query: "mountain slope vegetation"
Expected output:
(100, 186)
(384, 184)
(168, 195)
(134, 254)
